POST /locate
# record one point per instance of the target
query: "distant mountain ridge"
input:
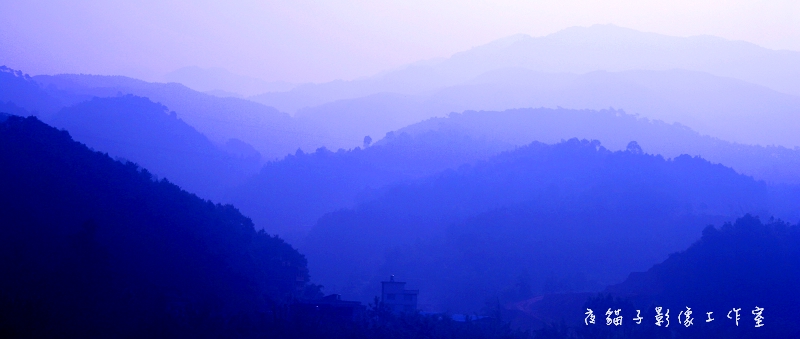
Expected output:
(216, 79)
(725, 108)
(20, 91)
(218, 118)
(274, 134)
(615, 129)
(573, 50)
(612, 48)
(136, 129)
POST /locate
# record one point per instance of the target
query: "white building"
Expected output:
(395, 295)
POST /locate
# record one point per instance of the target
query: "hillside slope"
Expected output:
(92, 247)
(271, 132)
(144, 132)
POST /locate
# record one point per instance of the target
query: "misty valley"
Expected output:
(549, 187)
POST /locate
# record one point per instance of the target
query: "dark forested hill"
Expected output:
(144, 132)
(92, 247)
(566, 217)
(743, 264)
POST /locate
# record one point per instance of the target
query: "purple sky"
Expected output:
(302, 41)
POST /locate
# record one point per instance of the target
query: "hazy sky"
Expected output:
(302, 40)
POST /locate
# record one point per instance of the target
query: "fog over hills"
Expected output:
(136, 129)
(750, 98)
(496, 193)
(615, 129)
(21, 92)
(574, 50)
(269, 131)
(219, 80)
(277, 198)
(612, 48)
(726, 108)
(219, 118)
(466, 233)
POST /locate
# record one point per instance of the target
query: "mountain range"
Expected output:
(576, 50)
(527, 173)
(471, 232)
(724, 108)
